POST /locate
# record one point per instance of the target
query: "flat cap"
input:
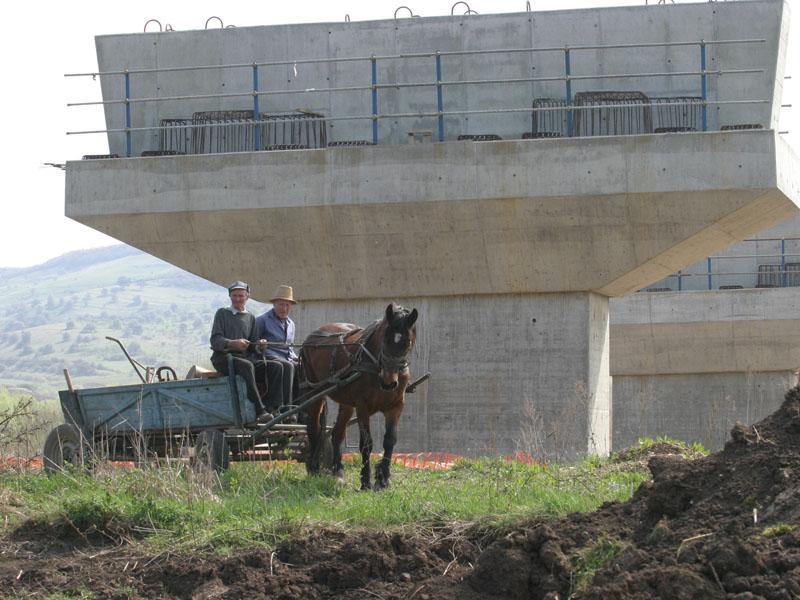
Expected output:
(238, 285)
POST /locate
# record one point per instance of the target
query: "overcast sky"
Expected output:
(42, 41)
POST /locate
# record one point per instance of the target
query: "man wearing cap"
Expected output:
(278, 329)
(235, 332)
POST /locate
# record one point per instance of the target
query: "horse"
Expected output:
(379, 354)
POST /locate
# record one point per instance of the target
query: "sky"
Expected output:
(43, 41)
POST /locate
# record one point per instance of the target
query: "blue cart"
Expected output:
(208, 422)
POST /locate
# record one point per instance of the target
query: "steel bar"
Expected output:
(704, 94)
(436, 114)
(409, 84)
(256, 110)
(439, 99)
(127, 115)
(374, 70)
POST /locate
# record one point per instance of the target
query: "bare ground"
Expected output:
(690, 533)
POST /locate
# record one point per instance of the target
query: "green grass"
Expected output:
(589, 559)
(778, 530)
(254, 503)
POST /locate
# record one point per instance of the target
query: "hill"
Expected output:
(57, 314)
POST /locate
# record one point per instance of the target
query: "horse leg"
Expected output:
(313, 436)
(382, 469)
(365, 446)
(337, 437)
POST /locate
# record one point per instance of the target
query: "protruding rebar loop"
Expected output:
(230, 26)
(160, 28)
(347, 18)
(471, 12)
(399, 8)
(168, 27)
(453, 8)
(209, 19)
(527, 5)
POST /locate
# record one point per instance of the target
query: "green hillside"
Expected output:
(57, 314)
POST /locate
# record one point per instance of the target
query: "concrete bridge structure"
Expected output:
(511, 248)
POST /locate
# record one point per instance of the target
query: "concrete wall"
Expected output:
(601, 26)
(699, 407)
(478, 400)
(690, 364)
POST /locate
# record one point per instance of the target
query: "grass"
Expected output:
(259, 504)
(778, 530)
(588, 560)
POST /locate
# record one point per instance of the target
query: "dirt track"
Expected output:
(688, 534)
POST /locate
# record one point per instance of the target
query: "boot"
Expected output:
(262, 415)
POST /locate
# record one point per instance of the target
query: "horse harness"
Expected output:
(362, 360)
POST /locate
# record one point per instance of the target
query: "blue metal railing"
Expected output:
(570, 110)
(774, 268)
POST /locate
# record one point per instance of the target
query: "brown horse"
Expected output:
(379, 353)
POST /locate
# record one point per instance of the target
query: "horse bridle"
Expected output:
(392, 363)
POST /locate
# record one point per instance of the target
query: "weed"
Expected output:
(778, 530)
(659, 532)
(589, 559)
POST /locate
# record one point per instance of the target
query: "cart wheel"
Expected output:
(211, 451)
(66, 445)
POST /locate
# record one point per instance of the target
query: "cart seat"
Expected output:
(198, 372)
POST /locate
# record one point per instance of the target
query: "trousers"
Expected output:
(251, 372)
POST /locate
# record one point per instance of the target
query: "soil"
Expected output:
(689, 533)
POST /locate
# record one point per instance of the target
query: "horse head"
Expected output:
(399, 336)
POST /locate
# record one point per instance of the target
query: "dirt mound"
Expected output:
(713, 527)
(722, 526)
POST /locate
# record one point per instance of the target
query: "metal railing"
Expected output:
(571, 109)
(778, 266)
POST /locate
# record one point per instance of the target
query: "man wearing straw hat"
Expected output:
(277, 328)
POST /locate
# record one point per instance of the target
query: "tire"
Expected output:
(66, 445)
(211, 451)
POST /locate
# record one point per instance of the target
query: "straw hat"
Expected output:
(284, 292)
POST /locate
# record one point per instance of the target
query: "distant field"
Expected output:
(57, 315)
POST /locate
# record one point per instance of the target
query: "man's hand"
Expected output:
(240, 345)
(261, 344)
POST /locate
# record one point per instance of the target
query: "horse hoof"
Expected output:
(380, 485)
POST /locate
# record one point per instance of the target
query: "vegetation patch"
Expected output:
(779, 529)
(588, 560)
(262, 503)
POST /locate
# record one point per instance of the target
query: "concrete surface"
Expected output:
(609, 215)
(689, 364)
